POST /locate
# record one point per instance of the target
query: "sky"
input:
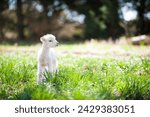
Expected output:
(128, 14)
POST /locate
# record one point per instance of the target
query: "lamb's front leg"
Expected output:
(50, 68)
(40, 73)
(55, 67)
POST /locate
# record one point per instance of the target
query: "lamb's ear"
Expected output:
(42, 39)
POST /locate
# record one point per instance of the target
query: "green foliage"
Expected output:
(101, 17)
(78, 78)
(94, 25)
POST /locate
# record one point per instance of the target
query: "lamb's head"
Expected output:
(49, 40)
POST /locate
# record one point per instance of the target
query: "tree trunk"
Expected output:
(141, 11)
(20, 19)
(1, 28)
(1, 34)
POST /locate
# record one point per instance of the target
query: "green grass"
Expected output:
(78, 78)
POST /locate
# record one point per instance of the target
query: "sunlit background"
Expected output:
(73, 20)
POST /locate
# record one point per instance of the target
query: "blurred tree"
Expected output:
(51, 9)
(142, 7)
(20, 20)
(3, 6)
(48, 17)
(102, 18)
(37, 17)
(112, 18)
(47, 4)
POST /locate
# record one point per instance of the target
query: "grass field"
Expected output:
(86, 71)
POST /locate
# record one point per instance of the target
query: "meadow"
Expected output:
(89, 70)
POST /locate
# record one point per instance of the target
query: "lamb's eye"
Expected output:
(50, 40)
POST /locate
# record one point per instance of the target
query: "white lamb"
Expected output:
(47, 57)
